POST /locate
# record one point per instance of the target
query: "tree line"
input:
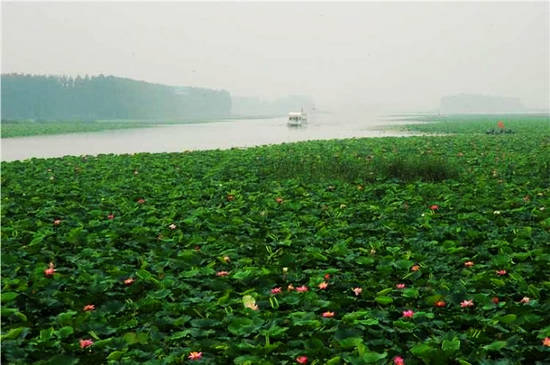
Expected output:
(39, 97)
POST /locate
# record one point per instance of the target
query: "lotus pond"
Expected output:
(418, 250)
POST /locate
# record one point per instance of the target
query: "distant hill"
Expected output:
(244, 106)
(105, 97)
(480, 104)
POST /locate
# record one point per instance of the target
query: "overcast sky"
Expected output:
(405, 55)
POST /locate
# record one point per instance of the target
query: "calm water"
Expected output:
(177, 138)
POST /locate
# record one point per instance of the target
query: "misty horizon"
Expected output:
(394, 56)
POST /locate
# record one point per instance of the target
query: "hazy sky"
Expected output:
(405, 55)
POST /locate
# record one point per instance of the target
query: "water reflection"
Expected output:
(177, 138)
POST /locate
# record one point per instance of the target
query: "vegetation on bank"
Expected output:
(100, 97)
(31, 128)
(479, 124)
(418, 250)
(34, 128)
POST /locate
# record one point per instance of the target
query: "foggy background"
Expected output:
(363, 56)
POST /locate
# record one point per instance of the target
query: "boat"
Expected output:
(296, 119)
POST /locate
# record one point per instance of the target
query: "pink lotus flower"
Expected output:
(546, 342)
(279, 200)
(323, 285)
(327, 276)
(467, 303)
(398, 360)
(440, 303)
(290, 287)
(400, 286)
(50, 270)
(357, 291)
(111, 216)
(415, 267)
(129, 281)
(275, 291)
(408, 314)
(195, 355)
(222, 273)
(495, 300)
(501, 272)
(328, 314)
(302, 289)
(172, 226)
(89, 307)
(141, 201)
(301, 359)
(525, 300)
(434, 207)
(469, 263)
(57, 222)
(86, 343)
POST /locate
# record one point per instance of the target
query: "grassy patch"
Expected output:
(480, 124)
(30, 128)
(34, 128)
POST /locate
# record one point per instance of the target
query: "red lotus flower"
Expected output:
(546, 342)
(357, 291)
(440, 303)
(408, 314)
(500, 124)
(495, 300)
(50, 270)
(302, 289)
(327, 276)
(222, 273)
(86, 343)
(501, 272)
(111, 216)
(469, 263)
(328, 314)
(141, 201)
(398, 360)
(323, 285)
(89, 307)
(195, 355)
(275, 291)
(129, 281)
(290, 287)
(301, 359)
(525, 300)
(434, 207)
(279, 200)
(57, 222)
(415, 268)
(467, 303)
(401, 285)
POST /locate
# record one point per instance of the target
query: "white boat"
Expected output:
(297, 118)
